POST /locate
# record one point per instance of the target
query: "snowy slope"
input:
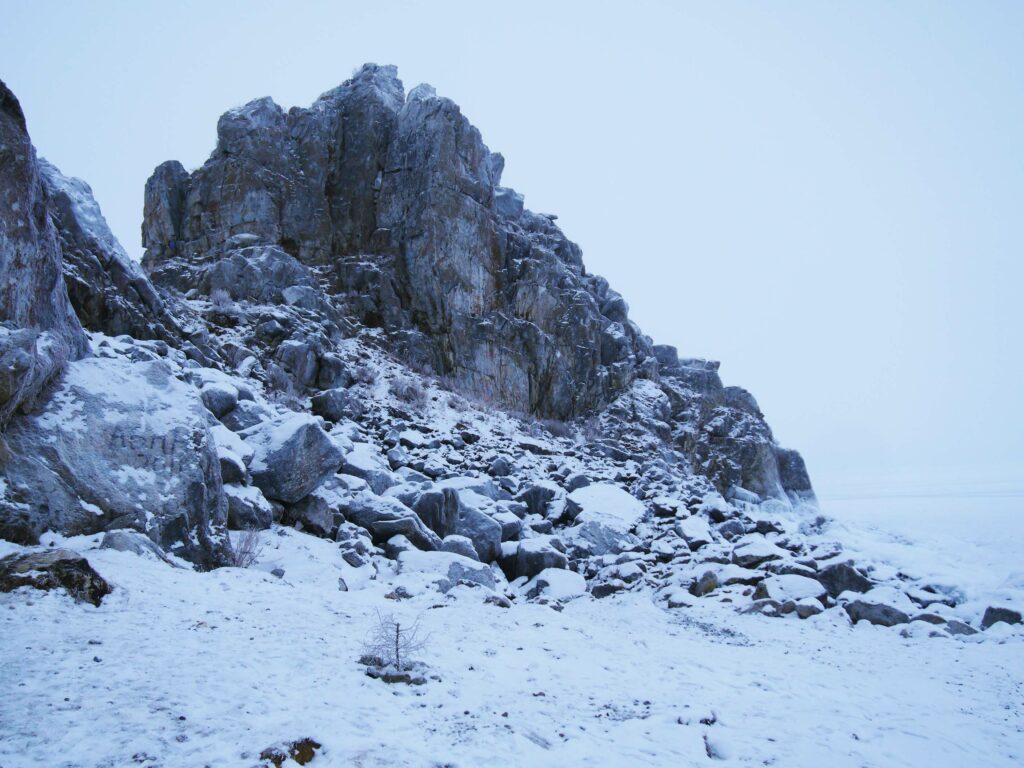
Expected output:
(179, 668)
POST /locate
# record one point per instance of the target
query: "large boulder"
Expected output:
(536, 555)
(121, 445)
(445, 512)
(994, 615)
(293, 455)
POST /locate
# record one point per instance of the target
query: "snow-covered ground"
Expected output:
(178, 668)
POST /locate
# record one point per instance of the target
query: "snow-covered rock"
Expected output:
(607, 515)
(118, 445)
(293, 455)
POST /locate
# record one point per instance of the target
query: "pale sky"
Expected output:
(827, 197)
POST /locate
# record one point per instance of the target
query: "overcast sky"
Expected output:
(827, 197)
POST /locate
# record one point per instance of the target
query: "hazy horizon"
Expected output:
(825, 198)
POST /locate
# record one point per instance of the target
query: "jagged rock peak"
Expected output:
(396, 202)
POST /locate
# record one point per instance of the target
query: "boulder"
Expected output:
(451, 568)
(337, 404)
(385, 517)
(318, 513)
(219, 398)
(293, 455)
(695, 531)
(245, 415)
(843, 577)
(126, 540)
(459, 545)
(122, 445)
(248, 508)
(994, 615)
(751, 554)
(536, 555)
(875, 613)
(789, 587)
(53, 569)
(556, 584)
(445, 513)
(606, 517)
(365, 461)
(537, 497)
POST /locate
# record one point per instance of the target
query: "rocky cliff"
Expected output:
(39, 330)
(334, 311)
(396, 203)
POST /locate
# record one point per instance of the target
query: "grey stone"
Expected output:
(385, 517)
(875, 613)
(219, 398)
(842, 577)
(536, 555)
(460, 545)
(994, 615)
(244, 415)
(337, 404)
(293, 456)
(127, 540)
(109, 291)
(248, 508)
(955, 627)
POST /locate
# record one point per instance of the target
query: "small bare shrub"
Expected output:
(246, 548)
(221, 300)
(393, 644)
(364, 374)
(408, 390)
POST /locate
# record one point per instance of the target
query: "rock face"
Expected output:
(109, 292)
(397, 201)
(119, 445)
(40, 329)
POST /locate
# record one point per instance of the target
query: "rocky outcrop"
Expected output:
(40, 329)
(321, 260)
(397, 203)
(109, 292)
